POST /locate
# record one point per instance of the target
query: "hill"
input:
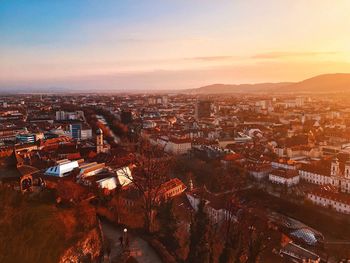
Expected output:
(325, 83)
(239, 88)
(34, 229)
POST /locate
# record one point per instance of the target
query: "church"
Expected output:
(337, 174)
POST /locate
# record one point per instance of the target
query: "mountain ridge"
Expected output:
(324, 83)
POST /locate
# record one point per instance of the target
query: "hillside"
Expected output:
(239, 88)
(34, 229)
(318, 84)
(322, 84)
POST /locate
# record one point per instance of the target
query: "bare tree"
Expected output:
(150, 171)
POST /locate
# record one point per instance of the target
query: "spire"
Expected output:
(190, 184)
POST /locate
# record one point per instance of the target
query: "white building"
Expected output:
(284, 165)
(63, 168)
(259, 171)
(285, 177)
(337, 201)
(85, 133)
(178, 146)
(337, 177)
(215, 206)
(109, 183)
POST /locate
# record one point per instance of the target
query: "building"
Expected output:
(65, 115)
(259, 170)
(75, 130)
(90, 169)
(63, 168)
(178, 146)
(284, 177)
(109, 183)
(216, 205)
(202, 109)
(26, 138)
(337, 174)
(171, 189)
(298, 254)
(337, 201)
(85, 133)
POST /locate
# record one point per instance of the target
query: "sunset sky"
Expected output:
(164, 44)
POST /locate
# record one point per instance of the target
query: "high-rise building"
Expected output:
(202, 109)
(165, 100)
(60, 115)
(75, 131)
(67, 115)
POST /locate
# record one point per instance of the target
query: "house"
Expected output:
(284, 164)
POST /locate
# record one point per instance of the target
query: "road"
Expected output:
(139, 248)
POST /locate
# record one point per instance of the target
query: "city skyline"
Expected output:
(165, 45)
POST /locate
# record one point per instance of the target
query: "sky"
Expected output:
(122, 45)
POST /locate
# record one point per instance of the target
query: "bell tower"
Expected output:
(347, 169)
(335, 167)
(99, 141)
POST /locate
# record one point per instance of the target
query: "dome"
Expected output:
(307, 235)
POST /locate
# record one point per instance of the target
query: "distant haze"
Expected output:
(86, 45)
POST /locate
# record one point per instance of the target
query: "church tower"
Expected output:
(190, 185)
(335, 167)
(99, 141)
(347, 169)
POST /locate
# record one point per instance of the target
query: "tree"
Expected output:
(200, 249)
(254, 227)
(149, 173)
(168, 224)
(255, 246)
(233, 247)
(233, 239)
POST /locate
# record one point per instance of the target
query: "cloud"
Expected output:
(276, 55)
(211, 58)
